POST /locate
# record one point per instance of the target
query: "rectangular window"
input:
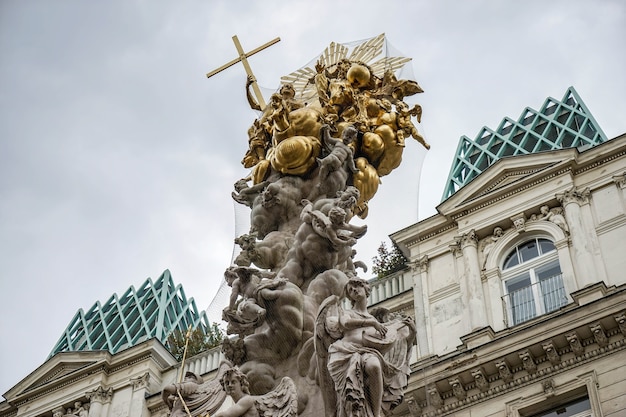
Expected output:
(577, 408)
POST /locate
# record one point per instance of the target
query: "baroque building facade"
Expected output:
(519, 291)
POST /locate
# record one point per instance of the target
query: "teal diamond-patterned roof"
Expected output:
(567, 123)
(155, 309)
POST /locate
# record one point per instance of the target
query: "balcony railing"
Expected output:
(529, 302)
(205, 362)
(389, 286)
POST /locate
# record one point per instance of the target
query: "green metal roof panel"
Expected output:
(154, 310)
(558, 124)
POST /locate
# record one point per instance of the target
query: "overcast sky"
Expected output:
(118, 155)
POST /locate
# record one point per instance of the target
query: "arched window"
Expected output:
(533, 283)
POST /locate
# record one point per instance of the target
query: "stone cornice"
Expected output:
(577, 336)
(485, 387)
(598, 162)
(432, 233)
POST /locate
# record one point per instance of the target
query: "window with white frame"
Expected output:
(532, 280)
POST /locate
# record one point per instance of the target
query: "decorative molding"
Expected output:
(504, 371)
(573, 195)
(458, 389)
(528, 361)
(551, 352)
(511, 193)
(588, 380)
(468, 239)
(102, 368)
(519, 222)
(620, 180)
(435, 396)
(414, 409)
(515, 174)
(100, 394)
(140, 382)
(420, 265)
(427, 236)
(455, 248)
(509, 379)
(548, 386)
(562, 244)
(462, 362)
(621, 321)
(599, 334)
(599, 162)
(539, 180)
(480, 379)
(574, 343)
(611, 224)
(445, 292)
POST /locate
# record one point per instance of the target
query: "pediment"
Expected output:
(507, 174)
(57, 370)
(506, 177)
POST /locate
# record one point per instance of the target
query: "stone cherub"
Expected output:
(323, 240)
(282, 401)
(243, 313)
(336, 167)
(555, 216)
(245, 194)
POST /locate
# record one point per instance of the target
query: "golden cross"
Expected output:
(243, 57)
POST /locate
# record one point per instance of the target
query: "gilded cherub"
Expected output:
(406, 126)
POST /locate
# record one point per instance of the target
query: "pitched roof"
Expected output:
(567, 123)
(155, 309)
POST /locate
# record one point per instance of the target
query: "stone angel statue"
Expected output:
(194, 397)
(352, 347)
(282, 401)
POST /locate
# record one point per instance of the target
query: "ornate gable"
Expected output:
(59, 370)
(510, 175)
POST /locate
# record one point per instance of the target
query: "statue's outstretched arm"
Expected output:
(253, 104)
